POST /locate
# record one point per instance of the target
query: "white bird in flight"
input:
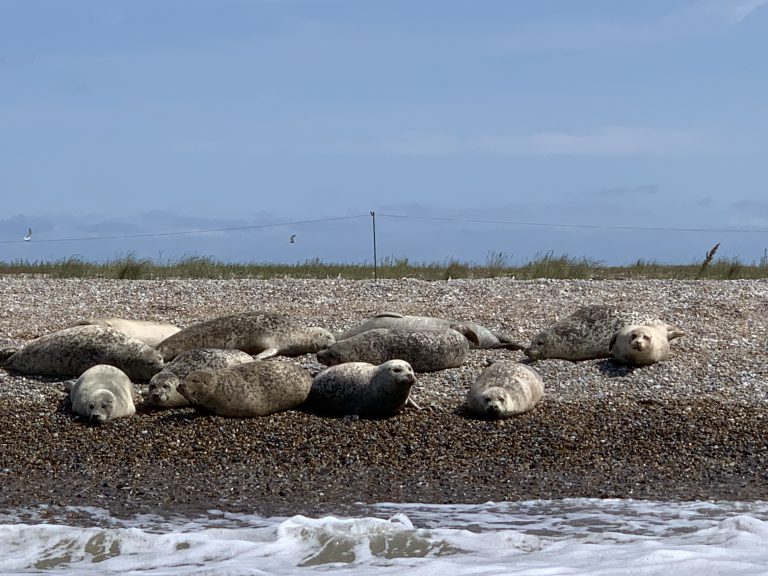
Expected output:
(28, 237)
(292, 239)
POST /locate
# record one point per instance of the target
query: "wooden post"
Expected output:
(375, 273)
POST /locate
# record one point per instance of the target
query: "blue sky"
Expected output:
(602, 129)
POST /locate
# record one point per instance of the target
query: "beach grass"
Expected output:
(497, 264)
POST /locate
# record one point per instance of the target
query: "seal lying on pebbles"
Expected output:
(478, 336)
(102, 393)
(425, 351)
(361, 389)
(148, 331)
(262, 333)
(247, 390)
(503, 389)
(584, 335)
(71, 351)
(162, 387)
(643, 344)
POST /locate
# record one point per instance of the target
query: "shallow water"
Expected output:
(574, 537)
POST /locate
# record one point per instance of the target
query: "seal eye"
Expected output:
(91, 406)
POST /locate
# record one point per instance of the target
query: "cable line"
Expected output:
(188, 232)
(582, 226)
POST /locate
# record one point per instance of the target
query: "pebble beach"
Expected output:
(690, 428)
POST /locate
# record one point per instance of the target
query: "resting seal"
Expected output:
(148, 331)
(425, 351)
(584, 335)
(247, 390)
(162, 387)
(504, 389)
(478, 336)
(361, 389)
(643, 344)
(102, 393)
(71, 351)
(264, 334)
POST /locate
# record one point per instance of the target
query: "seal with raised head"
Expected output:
(247, 390)
(162, 391)
(504, 389)
(586, 334)
(264, 334)
(643, 344)
(425, 351)
(71, 351)
(361, 389)
(102, 393)
(479, 336)
(148, 331)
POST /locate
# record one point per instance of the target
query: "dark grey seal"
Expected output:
(425, 351)
(71, 351)
(479, 336)
(162, 387)
(361, 389)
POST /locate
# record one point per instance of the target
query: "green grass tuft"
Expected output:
(497, 264)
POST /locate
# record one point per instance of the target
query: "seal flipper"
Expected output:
(389, 315)
(268, 353)
(411, 402)
(612, 343)
(468, 332)
(674, 332)
(509, 346)
(6, 353)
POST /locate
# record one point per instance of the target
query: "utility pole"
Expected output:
(375, 273)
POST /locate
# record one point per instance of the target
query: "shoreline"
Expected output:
(691, 428)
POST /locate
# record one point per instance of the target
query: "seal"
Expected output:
(71, 351)
(361, 389)
(584, 335)
(504, 389)
(264, 334)
(425, 351)
(162, 391)
(479, 336)
(643, 344)
(102, 393)
(247, 390)
(148, 331)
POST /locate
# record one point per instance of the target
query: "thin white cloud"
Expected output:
(618, 141)
(708, 13)
(615, 141)
(592, 32)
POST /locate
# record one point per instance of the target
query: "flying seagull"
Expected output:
(28, 237)
(292, 239)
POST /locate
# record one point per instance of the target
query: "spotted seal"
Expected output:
(247, 390)
(643, 344)
(71, 351)
(162, 391)
(479, 336)
(361, 389)
(148, 331)
(504, 389)
(585, 334)
(102, 393)
(425, 351)
(264, 334)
